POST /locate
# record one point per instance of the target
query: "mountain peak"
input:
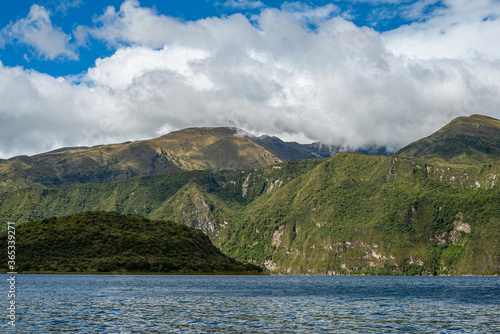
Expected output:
(465, 140)
(197, 148)
(482, 117)
(472, 121)
(204, 131)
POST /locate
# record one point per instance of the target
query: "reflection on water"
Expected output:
(256, 304)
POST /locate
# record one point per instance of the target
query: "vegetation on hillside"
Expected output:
(111, 242)
(355, 214)
(432, 208)
(348, 214)
(465, 140)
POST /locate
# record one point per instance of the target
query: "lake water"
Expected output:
(253, 304)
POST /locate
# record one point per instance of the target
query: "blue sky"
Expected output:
(353, 73)
(77, 13)
(69, 14)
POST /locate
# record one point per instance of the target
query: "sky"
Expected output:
(352, 73)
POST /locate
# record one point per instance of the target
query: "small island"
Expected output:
(109, 242)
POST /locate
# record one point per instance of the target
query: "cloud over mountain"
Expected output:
(297, 72)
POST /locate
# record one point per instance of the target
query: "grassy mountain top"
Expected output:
(190, 149)
(465, 140)
(108, 241)
(210, 149)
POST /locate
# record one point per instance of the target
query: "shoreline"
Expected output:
(235, 273)
(141, 273)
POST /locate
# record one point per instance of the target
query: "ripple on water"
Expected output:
(261, 304)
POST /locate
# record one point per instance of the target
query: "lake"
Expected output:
(253, 304)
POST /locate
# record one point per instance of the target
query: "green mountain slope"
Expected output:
(107, 241)
(191, 198)
(412, 213)
(465, 140)
(358, 214)
(348, 214)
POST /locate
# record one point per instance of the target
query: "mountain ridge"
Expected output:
(464, 140)
(200, 148)
(415, 213)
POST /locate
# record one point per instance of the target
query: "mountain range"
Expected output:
(212, 149)
(430, 208)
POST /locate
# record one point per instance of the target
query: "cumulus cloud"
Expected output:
(131, 25)
(37, 32)
(461, 29)
(37, 111)
(274, 74)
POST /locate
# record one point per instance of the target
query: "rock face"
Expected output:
(195, 212)
(277, 236)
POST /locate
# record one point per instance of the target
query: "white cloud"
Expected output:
(307, 13)
(37, 32)
(418, 10)
(463, 29)
(378, 2)
(37, 112)
(337, 83)
(243, 4)
(139, 61)
(65, 5)
(132, 24)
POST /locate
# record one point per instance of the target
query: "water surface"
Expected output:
(256, 304)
